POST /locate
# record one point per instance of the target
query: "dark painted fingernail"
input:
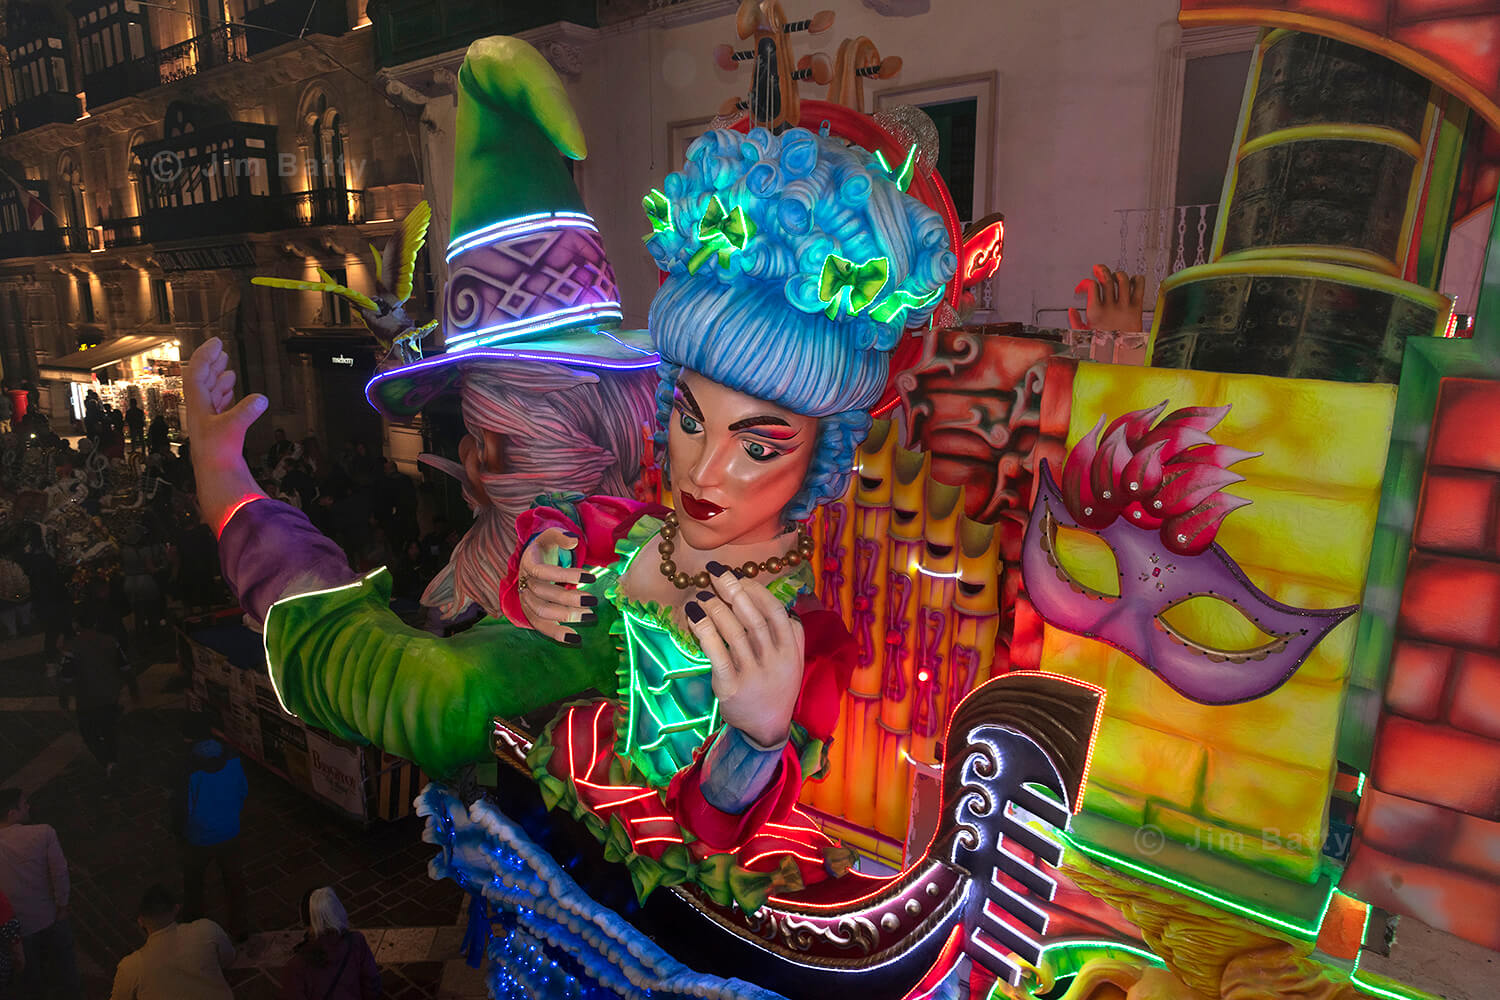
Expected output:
(704, 595)
(717, 568)
(588, 600)
(695, 614)
(572, 639)
(588, 618)
(586, 578)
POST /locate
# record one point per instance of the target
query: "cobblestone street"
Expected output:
(115, 835)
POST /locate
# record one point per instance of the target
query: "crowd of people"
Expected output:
(102, 552)
(184, 953)
(365, 503)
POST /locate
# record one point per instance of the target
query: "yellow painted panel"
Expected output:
(1147, 762)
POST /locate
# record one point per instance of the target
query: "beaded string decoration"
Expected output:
(682, 581)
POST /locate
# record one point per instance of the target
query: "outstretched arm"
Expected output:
(217, 431)
(268, 549)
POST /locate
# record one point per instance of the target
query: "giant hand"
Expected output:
(217, 432)
(756, 648)
(1116, 301)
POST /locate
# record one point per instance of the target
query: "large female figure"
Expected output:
(794, 264)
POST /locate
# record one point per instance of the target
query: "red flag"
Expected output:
(32, 204)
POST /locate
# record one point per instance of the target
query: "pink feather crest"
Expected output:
(1077, 486)
(1169, 477)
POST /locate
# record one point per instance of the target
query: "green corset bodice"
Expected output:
(665, 680)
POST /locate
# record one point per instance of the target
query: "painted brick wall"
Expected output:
(1429, 827)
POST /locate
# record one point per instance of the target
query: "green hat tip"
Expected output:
(514, 119)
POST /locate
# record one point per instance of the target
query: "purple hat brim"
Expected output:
(401, 393)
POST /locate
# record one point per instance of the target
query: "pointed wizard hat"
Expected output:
(528, 278)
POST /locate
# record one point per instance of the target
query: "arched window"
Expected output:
(74, 217)
(324, 138)
(325, 150)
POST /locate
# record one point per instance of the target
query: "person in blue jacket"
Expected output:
(207, 803)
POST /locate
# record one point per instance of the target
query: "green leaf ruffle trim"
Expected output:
(718, 875)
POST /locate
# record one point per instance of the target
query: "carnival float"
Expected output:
(834, 648)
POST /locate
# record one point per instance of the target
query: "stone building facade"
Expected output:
(175, 156)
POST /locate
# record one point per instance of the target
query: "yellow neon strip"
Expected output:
(1439, 73)
(1232, 175)
(1349, 256)
(1377, 134)
(1431, 122)
(1358, 277)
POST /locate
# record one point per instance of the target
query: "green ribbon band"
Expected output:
(902, 299)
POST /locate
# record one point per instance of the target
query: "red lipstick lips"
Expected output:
(699, 510)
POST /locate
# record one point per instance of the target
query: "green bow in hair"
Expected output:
(863, 281)
(659, 212)
(902, 299)
(722, 232)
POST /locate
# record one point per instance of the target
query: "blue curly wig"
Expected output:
(794, 265)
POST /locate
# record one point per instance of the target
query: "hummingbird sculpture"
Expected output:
(384, 315)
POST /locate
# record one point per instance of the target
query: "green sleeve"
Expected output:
(343, 662)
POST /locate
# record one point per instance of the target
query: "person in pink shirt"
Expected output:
(34, 877)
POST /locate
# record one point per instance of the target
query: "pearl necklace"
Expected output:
(682, 581)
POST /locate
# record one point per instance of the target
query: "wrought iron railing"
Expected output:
(224, 44)
(324, 207)
(122, 232)
(1159, 242)
(76, 239)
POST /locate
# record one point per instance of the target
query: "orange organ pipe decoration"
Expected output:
(935, 575)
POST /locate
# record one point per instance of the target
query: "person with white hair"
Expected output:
(332, 962)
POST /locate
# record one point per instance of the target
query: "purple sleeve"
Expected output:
(269, 550)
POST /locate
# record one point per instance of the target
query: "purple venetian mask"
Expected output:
(1153, 494)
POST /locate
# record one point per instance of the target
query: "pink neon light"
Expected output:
(798, 829)
(651, 819)
(606, 788)
(594, 732)
(572, 771)
(603, 788)
(242, 502)
(658, 840)
(784, 850)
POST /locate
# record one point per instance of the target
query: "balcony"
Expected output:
(407, 30)
(121, 80)
(219, 47)
(238, 214)
(44, 109)
(122, 233)
(32, 243)
(78, 239)
(323, 208)
(281, 21)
